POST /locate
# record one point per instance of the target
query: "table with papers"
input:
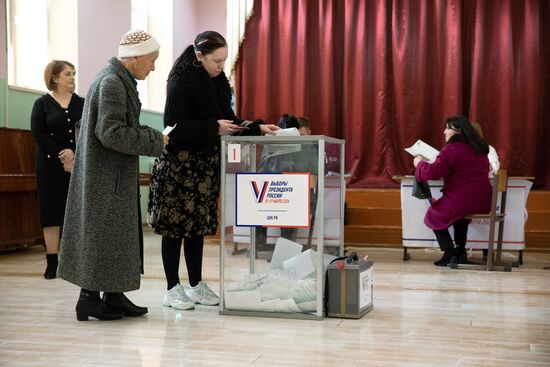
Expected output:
(416, 234)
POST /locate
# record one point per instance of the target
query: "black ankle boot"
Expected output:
(461, 254)
(90, 305)
(448, 256)
(51, 268)
(120, 302)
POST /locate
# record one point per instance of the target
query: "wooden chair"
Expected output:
(495, 217)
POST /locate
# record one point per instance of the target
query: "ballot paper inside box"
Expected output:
(288, 286)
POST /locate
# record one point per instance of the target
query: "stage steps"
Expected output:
(374, 218)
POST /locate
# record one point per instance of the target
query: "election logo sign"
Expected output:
(272, 199)
(259, 191)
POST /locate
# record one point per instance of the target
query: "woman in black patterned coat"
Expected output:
(53, 121)
(183, 201)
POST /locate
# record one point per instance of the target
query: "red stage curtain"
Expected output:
(382, 74)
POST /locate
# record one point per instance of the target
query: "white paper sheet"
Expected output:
(423, 149)
(292, 131)
(250, 301)
(304, 263)
(242, 300)
(168, 129)
(284, 249)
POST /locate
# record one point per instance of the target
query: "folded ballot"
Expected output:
(284, 249)
(278, 149)
(304, 263)
(291, 131)
(168, 129)
(423, 149)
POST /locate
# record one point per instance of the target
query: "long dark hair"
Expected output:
(205, 42)
(466, 134)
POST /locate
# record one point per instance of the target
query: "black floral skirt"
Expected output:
(183, 197)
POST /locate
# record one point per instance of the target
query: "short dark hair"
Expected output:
(288, 121)
(53, 69)
(303, 122)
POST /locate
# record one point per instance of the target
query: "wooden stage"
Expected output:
(374, 217)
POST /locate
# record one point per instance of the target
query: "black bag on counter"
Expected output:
(421, 190)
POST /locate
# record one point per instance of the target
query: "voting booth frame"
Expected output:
(245, 204)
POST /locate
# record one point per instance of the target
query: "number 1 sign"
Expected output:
(234, 153)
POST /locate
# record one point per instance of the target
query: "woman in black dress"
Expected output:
(183, 201)
(53, 120)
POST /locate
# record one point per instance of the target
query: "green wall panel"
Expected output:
(153, 119)
(3, 117)
(19, 108)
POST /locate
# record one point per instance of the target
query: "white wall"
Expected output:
(101, 25)
(185, 25)
(161, 26)
(3, 40)
(3, 66)
(211, 16)
(64, 11)
(192, 17)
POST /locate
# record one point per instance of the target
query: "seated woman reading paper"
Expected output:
(463, 165)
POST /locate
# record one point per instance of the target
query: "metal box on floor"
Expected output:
(350, 289)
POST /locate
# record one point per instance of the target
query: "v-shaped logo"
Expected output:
(259, 191)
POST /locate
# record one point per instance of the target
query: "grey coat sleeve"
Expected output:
(113, 129)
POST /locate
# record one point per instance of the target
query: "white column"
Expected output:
(101, 25)
(3, 65)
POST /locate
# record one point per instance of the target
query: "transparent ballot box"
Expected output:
(281, 223)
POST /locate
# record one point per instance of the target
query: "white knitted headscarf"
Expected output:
(137, 43)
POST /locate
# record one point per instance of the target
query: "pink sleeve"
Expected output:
(438, 169)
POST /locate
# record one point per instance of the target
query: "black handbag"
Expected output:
(421, 190)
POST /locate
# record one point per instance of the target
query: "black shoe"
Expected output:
(51, 268)
(449, 256)
(120, 302)
(90, 305)
(462, 255)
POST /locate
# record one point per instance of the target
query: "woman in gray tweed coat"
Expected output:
(100, 248)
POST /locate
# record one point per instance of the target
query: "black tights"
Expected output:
(444, 238)
(171, 252)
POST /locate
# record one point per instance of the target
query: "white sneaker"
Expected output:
(176, 298)
(201, 293)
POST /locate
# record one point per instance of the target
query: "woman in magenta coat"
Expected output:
(463, 166)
